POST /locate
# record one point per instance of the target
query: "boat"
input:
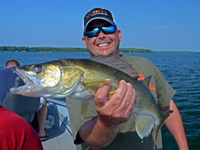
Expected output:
(60, 135)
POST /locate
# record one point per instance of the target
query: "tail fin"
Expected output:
(157, 128)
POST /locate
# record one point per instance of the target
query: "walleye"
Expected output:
(80, 78)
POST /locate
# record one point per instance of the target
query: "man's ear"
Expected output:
(119, 34)
(84, 41)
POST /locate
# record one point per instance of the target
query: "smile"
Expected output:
(104, 44)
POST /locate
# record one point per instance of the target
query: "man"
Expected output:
(11, 63)
(110, 124)
(8, 80)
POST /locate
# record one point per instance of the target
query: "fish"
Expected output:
(80, 78)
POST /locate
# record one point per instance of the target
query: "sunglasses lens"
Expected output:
(108, 30)
(95, 31)
(92, 33)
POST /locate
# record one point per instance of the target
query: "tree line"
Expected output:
(64, 49)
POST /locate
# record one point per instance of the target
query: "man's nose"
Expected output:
(101, 34)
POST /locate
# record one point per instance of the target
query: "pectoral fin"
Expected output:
(96, 85)
(144, 125)
(84, 108)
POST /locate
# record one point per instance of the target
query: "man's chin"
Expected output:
(105, 53)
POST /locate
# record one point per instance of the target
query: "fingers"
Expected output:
(126, 97)
(117, 98)
(101, 94)
(118, 108)
(130, 103)
(122, 89)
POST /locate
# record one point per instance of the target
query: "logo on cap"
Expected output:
(96, 12)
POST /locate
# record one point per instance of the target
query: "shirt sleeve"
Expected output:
(164, 90)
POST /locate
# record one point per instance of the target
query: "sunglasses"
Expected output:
(95, 31)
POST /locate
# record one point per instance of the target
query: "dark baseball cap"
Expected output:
(98, 13)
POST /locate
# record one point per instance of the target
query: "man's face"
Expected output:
(103, 44)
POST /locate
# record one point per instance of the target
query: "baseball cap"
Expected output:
(98, 13)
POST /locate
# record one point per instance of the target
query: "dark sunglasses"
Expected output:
(95, 31)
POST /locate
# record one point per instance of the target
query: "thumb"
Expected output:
(102, 92)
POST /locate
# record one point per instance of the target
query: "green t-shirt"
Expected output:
(127, 137)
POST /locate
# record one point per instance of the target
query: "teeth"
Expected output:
(101, 45)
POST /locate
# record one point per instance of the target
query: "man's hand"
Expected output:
(118, 108)
(100, 131)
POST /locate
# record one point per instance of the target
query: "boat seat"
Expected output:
(21, 105)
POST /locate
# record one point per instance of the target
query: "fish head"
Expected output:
(51, 79)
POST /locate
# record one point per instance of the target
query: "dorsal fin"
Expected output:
(116, 63)
(146, 81)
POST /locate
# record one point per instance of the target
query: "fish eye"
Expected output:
(36, 69)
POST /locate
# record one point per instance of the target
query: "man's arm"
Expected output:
(100, 131)
(175, 126)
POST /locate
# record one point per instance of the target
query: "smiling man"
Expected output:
(109, 123)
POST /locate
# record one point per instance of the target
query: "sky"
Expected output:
(158, 25)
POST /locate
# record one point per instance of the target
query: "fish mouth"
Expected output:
(22, 76)
(28, 89)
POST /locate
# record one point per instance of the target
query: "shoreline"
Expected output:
(153, 52)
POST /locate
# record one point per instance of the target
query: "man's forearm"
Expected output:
(98, 135)
(175, 126)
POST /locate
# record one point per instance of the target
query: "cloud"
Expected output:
(163, 27)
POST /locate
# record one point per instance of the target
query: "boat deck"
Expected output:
(60, 135)
(58, 141)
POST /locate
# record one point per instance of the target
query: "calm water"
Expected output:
(182, 71)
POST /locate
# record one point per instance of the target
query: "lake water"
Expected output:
(182, 71)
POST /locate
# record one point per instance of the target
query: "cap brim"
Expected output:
(102, 18)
